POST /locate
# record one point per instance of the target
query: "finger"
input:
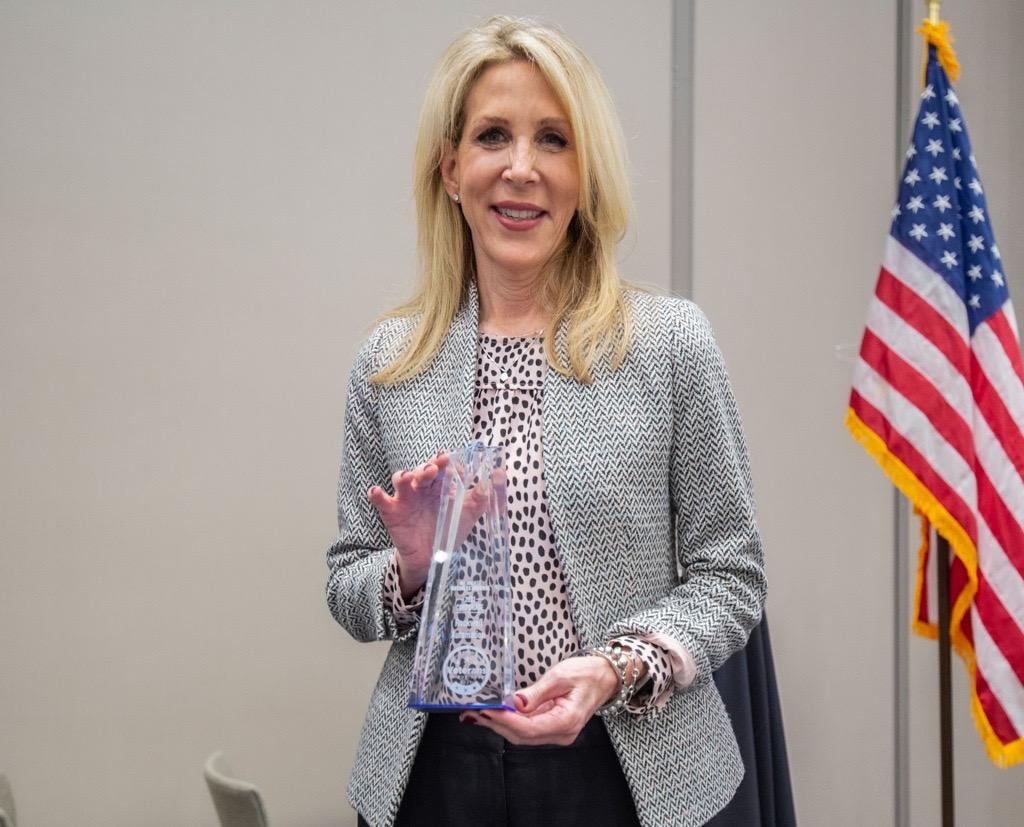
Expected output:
(476, 502)
(540, 709)
(425, 476)
(378, 497)
(549, 687)
(524, 729)
(499, 726)
(401, 481)
(480, 718)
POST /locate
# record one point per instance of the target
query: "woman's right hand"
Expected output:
(410, 517)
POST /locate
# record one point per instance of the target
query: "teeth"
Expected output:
(519, 214)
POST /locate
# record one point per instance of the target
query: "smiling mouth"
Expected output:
(518, 215)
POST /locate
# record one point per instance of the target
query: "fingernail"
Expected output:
(522, 699)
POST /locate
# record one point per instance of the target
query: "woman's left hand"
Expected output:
(555, 708)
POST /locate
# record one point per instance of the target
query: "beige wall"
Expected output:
(202, 207)
(792, 188)
(795, 107)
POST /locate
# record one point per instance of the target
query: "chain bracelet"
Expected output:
(619, 660)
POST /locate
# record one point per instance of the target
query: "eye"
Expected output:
(554, 140)
(492, 136)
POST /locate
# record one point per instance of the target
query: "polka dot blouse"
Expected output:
(508, 411)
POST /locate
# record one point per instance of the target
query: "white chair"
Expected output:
(8, 817)
(238, 803)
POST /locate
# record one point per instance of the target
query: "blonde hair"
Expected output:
(581, 284)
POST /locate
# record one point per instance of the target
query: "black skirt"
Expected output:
(465, 774)
(747, 684)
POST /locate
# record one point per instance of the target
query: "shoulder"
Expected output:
(383, 344)
(667, 325)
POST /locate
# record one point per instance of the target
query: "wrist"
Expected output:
(409, 579)
(608, 680)
(625, 666)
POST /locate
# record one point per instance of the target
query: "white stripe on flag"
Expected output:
(918, 430)
(919, 352)
(999, 469)
(998, 673)
(1000, 373)
(1011, 317)
(1003, 578)
(924, 281)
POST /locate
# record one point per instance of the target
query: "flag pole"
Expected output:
(945, 684)
(945, 677)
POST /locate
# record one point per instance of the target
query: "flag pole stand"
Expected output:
(945, 684)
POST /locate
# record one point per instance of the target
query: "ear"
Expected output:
(450, 170)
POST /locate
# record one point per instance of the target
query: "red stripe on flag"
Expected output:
(958, 580)
(910, 382)
(999, 419)
(994, 711)
(1000, 521)
(919, 466)
(924, 318)
(1002, 628)
(1004, 333)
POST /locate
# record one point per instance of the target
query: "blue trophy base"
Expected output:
(425, 707)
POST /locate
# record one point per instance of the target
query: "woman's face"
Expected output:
(515, 170)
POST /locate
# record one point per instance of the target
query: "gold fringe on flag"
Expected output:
(923, 627)
(933, 512)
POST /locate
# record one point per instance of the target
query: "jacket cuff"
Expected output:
(669, 667)
(406, 613)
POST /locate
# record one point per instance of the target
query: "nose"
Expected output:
(521, 167)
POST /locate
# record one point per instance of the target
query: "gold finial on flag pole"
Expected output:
(936, 32)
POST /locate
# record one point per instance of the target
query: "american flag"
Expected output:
(938, 400)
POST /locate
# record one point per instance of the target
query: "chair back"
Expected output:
(8, 817)
(238, 803)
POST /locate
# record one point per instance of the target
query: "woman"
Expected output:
(630, 504)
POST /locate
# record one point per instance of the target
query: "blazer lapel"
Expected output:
(566, 412)
(453, 378)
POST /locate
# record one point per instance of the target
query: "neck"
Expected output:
(510, 306)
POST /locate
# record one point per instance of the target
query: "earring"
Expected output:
(455, 198)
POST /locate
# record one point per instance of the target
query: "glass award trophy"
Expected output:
(464, 650)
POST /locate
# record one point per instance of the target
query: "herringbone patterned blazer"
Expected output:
(647, 475)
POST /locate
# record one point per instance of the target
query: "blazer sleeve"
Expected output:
(721, 591)
(359, 558)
